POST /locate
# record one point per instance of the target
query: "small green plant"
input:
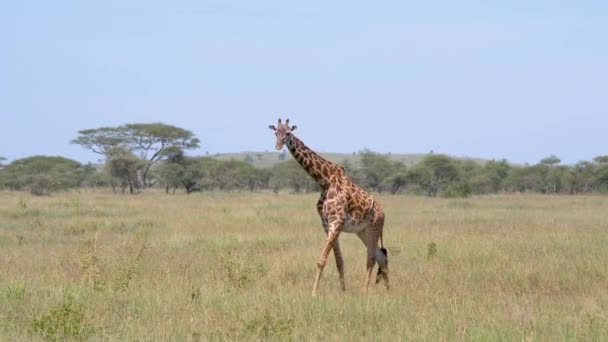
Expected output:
(15, 291)
(195, 293)
(67, 321)
(268, 326)
(431, 250)
(131, 265)
(73, 203)
(22, 203)
(92, 267)
(240, 273)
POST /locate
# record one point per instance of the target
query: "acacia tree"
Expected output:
(2, 181)
(581, 177)
(601, 159)
(434, 173)
(171, 175)
(289, 174)
(43, 174)
(122, 164)
(377, 168)
(551, 175)
(601, 172)
(100, 140)
(397, 181)
(152, 142)
(496, 173)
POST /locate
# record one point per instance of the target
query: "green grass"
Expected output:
(240, 266)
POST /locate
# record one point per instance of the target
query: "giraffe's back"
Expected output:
(362, 210)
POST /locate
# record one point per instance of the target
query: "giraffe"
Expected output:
(343, 207)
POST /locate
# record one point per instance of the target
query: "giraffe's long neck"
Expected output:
(317, 167)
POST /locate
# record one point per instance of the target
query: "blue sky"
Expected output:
(493, 79)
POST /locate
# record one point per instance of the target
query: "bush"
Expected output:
(42, 174)
(67, 321)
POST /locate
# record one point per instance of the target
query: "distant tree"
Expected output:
(204, 173)
(151, 142)
(235, 174)
(550, 160)
(172, 170)
(497, 172)
(581, 177)
(551, 176)
(376, 168)
(249, 159)
(601, 177)
(434, 173)
(124, 165)
(527, 178)
(250, 177)
(601, 159)
(101, 140)
(201, 174)
(489, 178)
(42, 174)
(171, 175)
(101, 178)
(397, 181)
(87, 175)
(289, 174)
(2, 181)
(232, 174)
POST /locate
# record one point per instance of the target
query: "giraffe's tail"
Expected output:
(384, 251)
(383, 266)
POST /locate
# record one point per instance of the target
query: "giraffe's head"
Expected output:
(283, 133)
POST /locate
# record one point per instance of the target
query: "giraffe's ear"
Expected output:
(293, 128)
(272, 127)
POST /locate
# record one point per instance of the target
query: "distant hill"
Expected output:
(268, 159)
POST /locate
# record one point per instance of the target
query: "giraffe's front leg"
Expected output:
(332, 237)
(336, 248)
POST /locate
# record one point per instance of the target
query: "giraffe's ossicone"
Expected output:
(343, 207)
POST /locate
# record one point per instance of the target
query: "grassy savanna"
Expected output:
(240, 266)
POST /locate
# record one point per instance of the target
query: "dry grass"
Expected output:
(240, 266)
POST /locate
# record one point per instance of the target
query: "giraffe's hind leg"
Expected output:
(381, 253)
(370, 238)
(375, 254)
